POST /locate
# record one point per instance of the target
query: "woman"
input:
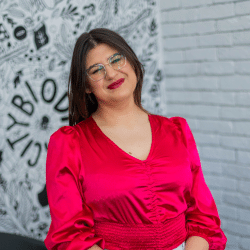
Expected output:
(119, 177)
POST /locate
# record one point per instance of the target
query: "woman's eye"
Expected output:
(116, 60)
(97, 70)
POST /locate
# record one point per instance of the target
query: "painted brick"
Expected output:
(181, 69)
(166, 5)
(208, 97)
(234, 24)
(217, 68)
(194, 3)
(216, 27)
(242, 8)
(241, 128)
(179, 43)
(217, 195)
(172, 112)
(215, 126)
(236, 199)
(189, 111)
(171, 29)
(228, 212)
(217, 153)
(223, 222)
(242, 67)
(213, 181)
(216, 11)
(211, 167)
(232, 240)
(201, 83)
(173, 56)
(242, 98)
(235, 170)
(236, 53)
(244, 187)
(183, 96)
(206, 54)
(238, 228)
(196, 110)
(229, 183)
(215, 40)
(223, 1)
(217, 98)
(221, 182)
(244, 156)
(225, 98)
(192, 123)
(241, 38)
(243, 215)
(196, 28)
(174, 83)
(234, 113)
(230, 83)
(182, 15)
(175, 110)
(239, 142)
(205, 97)
(231, 247)
(244, 243)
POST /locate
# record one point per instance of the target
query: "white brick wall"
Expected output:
(206, 46)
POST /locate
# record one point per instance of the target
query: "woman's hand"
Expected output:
(196, 243)
(95, 247)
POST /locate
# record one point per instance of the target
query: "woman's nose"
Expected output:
(110, 72)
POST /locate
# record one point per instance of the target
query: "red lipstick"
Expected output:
(116, 84)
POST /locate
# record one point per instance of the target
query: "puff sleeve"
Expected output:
(72, 222)
(202, 218)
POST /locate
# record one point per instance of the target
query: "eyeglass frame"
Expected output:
(86, 71)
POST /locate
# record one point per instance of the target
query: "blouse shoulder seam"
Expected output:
(177, 118)
(63, 128)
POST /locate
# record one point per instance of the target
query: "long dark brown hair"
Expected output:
(81, 104)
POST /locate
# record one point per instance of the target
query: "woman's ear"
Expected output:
(88, 88)
(88, 91)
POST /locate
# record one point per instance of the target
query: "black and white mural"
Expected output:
(36, 44)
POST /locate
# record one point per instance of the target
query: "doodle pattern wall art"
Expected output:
(37, 38)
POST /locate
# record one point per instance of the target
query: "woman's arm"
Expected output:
(72, 223)
(196, 243)
(202, 217)
(95, 247)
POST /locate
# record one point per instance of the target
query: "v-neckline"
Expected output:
(125, 153)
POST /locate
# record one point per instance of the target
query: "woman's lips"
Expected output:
(116, 84)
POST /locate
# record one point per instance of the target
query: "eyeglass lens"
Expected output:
(97, 72)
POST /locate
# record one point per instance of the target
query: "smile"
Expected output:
(116, 84)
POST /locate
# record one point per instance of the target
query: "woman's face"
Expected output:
(100, 55)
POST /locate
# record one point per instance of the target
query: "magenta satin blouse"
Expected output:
(89, 178)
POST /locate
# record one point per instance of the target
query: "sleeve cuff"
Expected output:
(79, 244)
(216, 240)
(200, 235)
(201, 232)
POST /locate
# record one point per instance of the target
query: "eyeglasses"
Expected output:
(98, 71)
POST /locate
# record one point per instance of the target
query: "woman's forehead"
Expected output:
(99, 54)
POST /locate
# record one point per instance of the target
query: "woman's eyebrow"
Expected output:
(90, 67)
(113, 55)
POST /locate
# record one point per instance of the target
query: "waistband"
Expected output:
(167, 235)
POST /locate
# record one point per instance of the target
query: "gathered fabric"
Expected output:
(167, 235)
(99, 194)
